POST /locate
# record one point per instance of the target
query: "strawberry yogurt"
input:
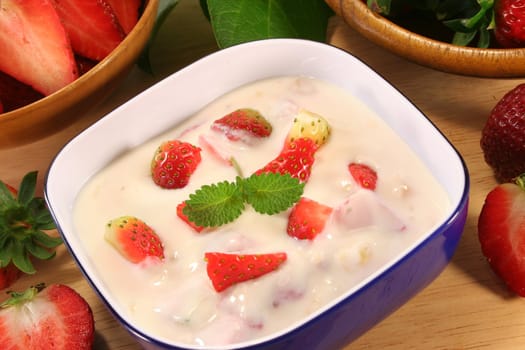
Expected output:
(174, 301)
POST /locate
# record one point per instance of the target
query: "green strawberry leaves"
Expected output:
(468, 19)
(23, 220)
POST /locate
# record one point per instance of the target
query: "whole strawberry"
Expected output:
(509, 16)
(173, 163)
(501, 232)
(54, 317)
(503, 137)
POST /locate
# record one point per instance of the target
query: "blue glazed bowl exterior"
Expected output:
(352, 315)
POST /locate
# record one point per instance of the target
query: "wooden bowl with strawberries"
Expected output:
(422, 41)
(54, 66)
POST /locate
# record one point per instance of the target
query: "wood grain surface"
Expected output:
(466, 307)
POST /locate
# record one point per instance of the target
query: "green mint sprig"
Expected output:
(221, 203)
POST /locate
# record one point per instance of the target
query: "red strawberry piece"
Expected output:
(1, 107)
(242, 124)
(92, 27)
(34, 46)
(134, 239)
(364, 175)
(173, 163)
(127, 12)
(509, 16)
(54, 317)
(225, 270)
(296, 159)
(503, 136)
(307, 219)
(501, 232)
(183, 217)
(9, 275)
(84, 64)
(15, 94)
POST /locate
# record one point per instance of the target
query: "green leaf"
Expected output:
(6, 253)
(7, 199)
(39, 252)
(26, 192)
(21, 259)
(215, 205)
(463, 39)
(41, 217)
(165, 8)
(45, 240)
(238, 21)
(272, 193)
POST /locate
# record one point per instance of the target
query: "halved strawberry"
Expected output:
(364, 175)
(174, 162)
(127, 12)
(307, 219)
(501, 232)
(92, 27)
(225, 270)
(242, 124)
(54, 317)
(34, 46)
(24, 220)
(134, 239)
(184, 218)
(308, 132)
(15, 94)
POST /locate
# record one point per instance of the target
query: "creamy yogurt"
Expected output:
(174, 301)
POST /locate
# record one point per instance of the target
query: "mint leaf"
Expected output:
(218, 204)
(272, 193)
(215, 205)
(238, 21)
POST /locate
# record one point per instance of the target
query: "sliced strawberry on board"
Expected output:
(308, 133)
(184, 218)
(54, 317)
(307, 219)
(364, 175)
(127, 12)
(34, 46)
(15, 94)
(134, 239)
(501, 232)
(225, 270)
(173, 163)
(243, 124)
(92, 27)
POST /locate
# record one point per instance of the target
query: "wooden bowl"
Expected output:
(58, 110)
(495, 63)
